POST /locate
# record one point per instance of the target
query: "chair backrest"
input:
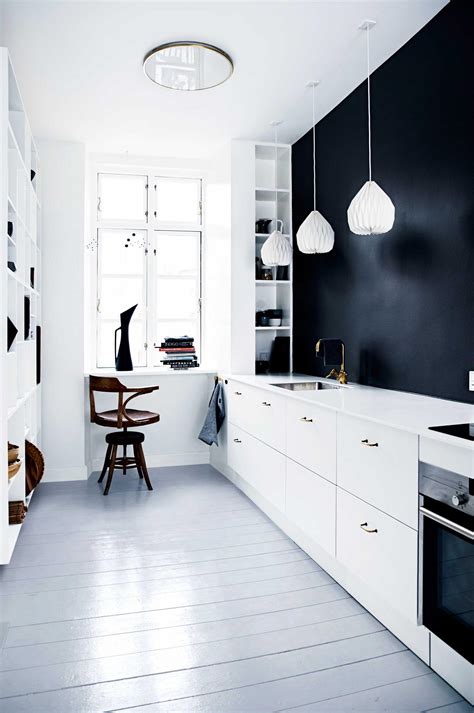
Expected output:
(108, 384)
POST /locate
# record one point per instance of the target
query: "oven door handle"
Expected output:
(447, 523)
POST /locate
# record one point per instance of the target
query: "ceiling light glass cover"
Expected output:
(371, 211)
(188, 66)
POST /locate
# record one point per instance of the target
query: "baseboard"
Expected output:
(165, 460)
(57, 475)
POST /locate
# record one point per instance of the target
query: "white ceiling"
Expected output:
(80, 67)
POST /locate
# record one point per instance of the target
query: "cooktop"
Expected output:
(459, 430)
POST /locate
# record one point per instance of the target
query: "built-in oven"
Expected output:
(446, 584)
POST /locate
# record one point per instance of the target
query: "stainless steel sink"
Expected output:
(307, 386)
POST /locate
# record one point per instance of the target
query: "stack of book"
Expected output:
(180, 352)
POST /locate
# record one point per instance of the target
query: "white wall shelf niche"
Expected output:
(20, 400)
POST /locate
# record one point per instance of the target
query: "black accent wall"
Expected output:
(402, 302)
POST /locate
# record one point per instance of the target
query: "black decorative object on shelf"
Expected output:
(38, 354)
(10, 228)
(27, 317)
(263, 225)
(280, 356)
(12, 331)
(11, 265)
(32, 277)
(123, 359)
(33, 174)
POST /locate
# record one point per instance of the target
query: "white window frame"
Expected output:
(150, 225)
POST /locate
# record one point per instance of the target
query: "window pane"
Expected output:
(176, 298)
(120, 293)
(122, 197)
(106, 339)
(121, 252)
(177, 200)
(178, 253)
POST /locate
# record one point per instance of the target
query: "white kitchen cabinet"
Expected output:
(311, 437)
(380, 465)
(311, 505)
(380, 551)
(262, 467)
(259, 412)
(268, 411)
(238, 404)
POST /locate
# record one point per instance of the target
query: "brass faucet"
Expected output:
(340, 375)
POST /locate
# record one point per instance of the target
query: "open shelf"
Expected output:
(20, 395)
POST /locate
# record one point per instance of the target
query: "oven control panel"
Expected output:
(446, 487)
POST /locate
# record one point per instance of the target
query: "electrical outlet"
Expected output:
(471, 381)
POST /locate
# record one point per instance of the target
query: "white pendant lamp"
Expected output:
(371, 211)
(315, 234)
(276, 250)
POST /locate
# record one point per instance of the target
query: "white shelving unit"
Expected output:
(273, 294)
(20, 260)
(254, 196)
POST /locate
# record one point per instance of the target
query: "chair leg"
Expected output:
(106, 463)
(136, 454)
(124, 466)
(143, 467)
(111, 470)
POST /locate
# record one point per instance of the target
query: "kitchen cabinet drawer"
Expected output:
(259, 412)
(380, 465)
(268, 418)
(380, 551)
(238, 404)
(311, 437)
(311, 505)
(258, 464)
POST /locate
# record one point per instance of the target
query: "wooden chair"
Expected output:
(122, 417)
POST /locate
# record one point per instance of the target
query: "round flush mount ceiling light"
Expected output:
(188, 66)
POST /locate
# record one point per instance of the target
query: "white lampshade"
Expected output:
(276, 250)
(371, 211)
(315, 235)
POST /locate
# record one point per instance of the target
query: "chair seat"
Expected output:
(125, 438)
(140, 418)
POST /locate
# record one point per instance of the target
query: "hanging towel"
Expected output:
(214, 418)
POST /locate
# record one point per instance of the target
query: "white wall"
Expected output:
(217, 262)
(63, 186)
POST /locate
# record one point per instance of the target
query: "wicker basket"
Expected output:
(13, 468)
(13, 453)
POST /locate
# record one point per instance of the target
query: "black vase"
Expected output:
(12, 331)
(123, 358)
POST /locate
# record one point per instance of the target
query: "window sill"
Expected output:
(150, 371)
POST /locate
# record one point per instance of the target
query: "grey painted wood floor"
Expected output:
(188, 599)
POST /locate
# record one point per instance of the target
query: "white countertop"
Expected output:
(150, 371)
(405, 411)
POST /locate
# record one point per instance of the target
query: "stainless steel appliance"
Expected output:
(446, 573)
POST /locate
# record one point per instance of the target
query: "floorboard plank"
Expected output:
(187, 598)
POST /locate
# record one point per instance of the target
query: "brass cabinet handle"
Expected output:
(365, 442)
(306, 420)
(238, 393)
(237, 440)
(266, 403)
(364, 526)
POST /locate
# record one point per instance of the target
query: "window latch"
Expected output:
(98, 304)
(98, 204)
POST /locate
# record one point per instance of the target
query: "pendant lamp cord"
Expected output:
(369, 123)
(314, 153)
(276, 176)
